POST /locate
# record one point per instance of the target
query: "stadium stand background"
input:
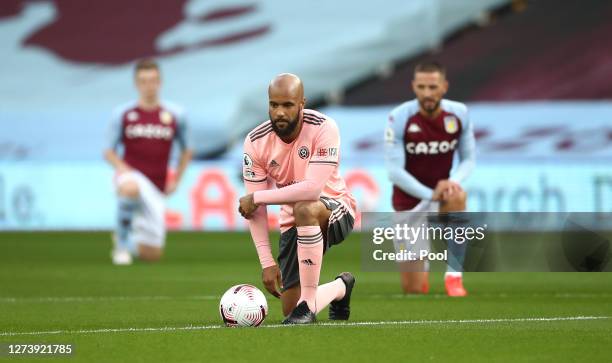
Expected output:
(523, 51)
(536, 76)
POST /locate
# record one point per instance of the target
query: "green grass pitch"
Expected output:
(62, 288)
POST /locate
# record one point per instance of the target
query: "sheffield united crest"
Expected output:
(303, 152)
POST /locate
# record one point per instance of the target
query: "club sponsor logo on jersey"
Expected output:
(149, 131)
(451, 125)
(303, 152)
(414, 128)
(132, 116)
(165, 117)
(431, 147)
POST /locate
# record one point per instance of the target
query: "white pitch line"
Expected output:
(338, 325)
(85, 299)
(80, 299)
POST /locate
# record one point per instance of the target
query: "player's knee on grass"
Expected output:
(149, 253)
(456, 203)
(129, 189)
(289, 299)
(307, 213)
(412, 287)
(413, 277)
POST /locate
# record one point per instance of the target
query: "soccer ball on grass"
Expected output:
(243, 305)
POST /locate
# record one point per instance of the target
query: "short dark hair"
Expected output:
(145, 64)
(430, 67)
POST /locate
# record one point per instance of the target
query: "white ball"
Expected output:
(243, 305)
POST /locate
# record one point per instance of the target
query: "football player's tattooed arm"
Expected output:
(467, 153)
(110, 154)
(395, 162)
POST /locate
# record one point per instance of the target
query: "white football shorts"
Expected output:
(148, 225)
(417, 222)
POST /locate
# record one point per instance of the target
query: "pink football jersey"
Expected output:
(267, 158)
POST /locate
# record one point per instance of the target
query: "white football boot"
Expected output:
(120, 256)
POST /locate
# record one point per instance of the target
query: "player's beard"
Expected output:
(431, 109)
(291, 126)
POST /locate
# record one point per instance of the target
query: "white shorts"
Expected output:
(148, 225)
(415, 221)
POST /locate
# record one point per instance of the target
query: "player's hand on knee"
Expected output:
(123, 168)
(271, 278)
(439, 189)
(445, 189)
(171, 187)
(454, 203)
(452, 191)
(247, 206)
